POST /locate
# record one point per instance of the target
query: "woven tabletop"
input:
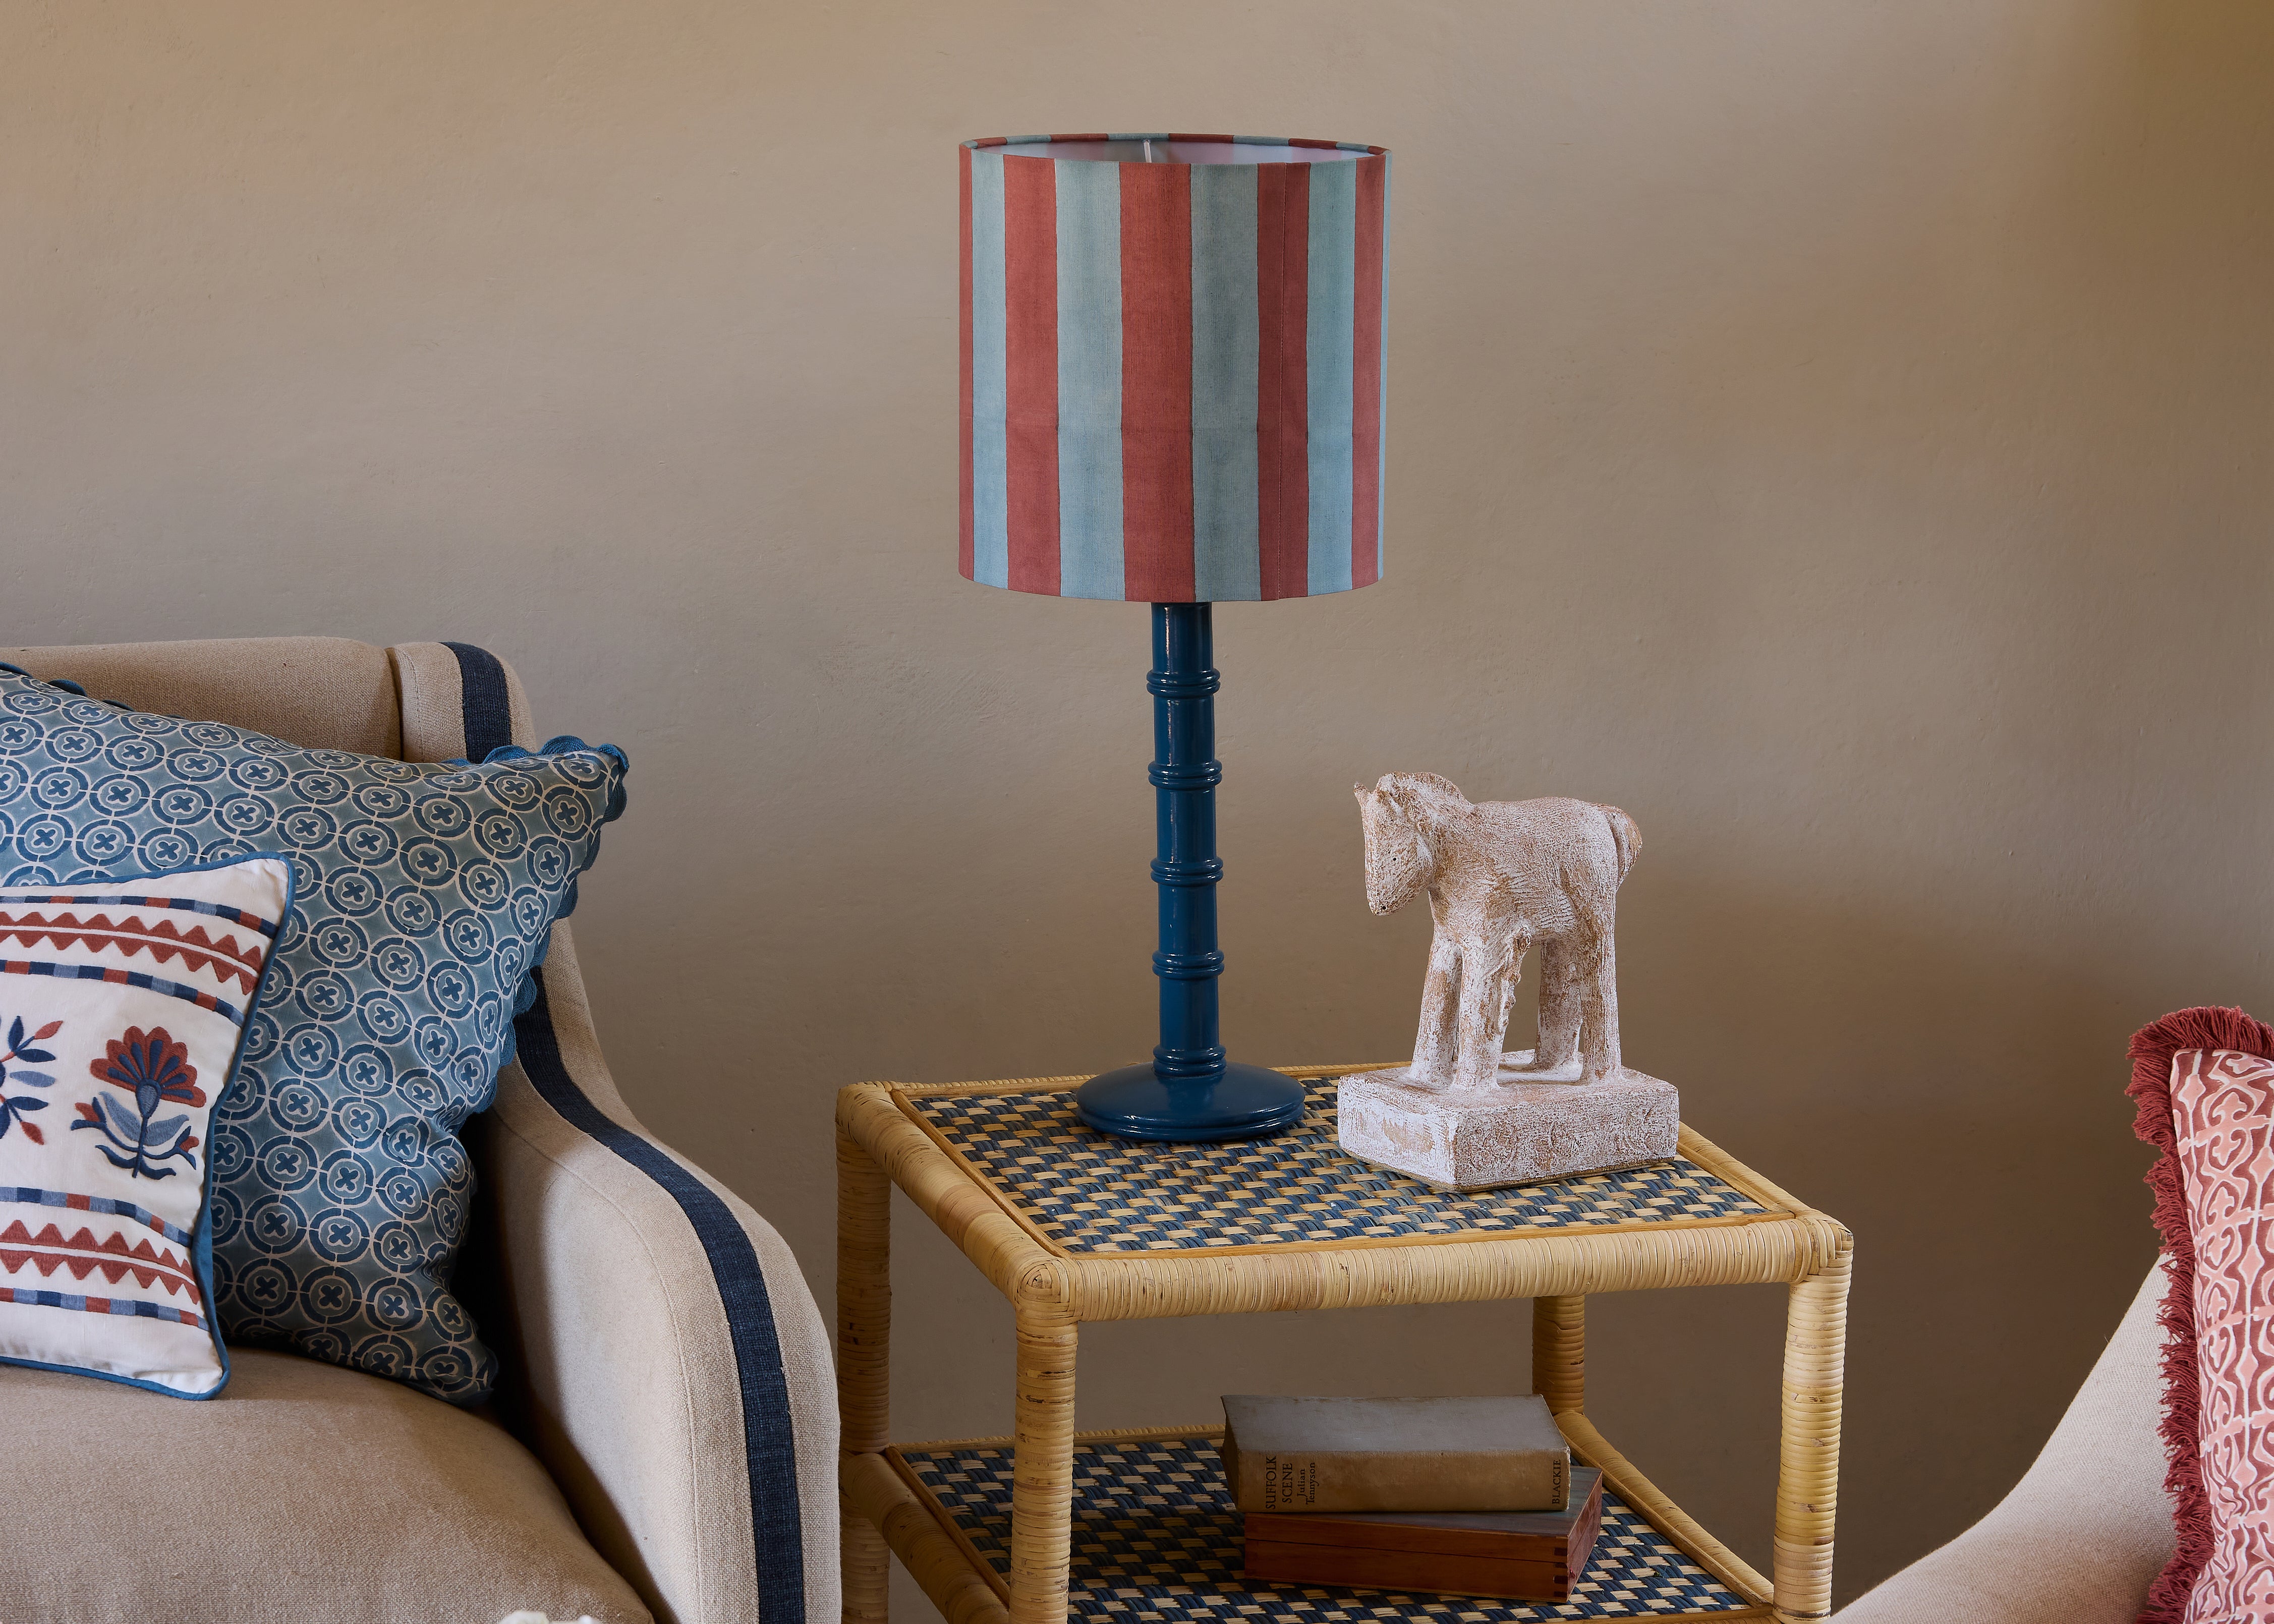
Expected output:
(1082, 1191)
(1156, 1536)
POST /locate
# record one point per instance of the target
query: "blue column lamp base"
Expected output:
(1190, 1091)
(1244, 1102)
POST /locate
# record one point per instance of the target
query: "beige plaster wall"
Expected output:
(1838, 435)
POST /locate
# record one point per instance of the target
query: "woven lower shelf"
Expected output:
(1155, 1537)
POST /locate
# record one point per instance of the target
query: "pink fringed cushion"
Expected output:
(2205, 1083)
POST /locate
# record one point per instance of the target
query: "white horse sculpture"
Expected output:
(1502, 876)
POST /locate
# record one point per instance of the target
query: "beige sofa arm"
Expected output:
(662, 1352)
(665, 1358)
(2085, 1532)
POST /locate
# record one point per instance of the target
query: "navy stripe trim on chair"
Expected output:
(769, 1440)
(488, 709)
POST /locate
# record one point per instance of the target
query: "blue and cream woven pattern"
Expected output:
(1156, 1536)
(425, 894)
(1089, 1193)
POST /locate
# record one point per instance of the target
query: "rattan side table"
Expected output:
(1072, 1225)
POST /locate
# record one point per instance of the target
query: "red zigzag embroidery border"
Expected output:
(196, 949)
(82, 1254)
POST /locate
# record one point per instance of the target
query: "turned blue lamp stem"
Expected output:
(1190, 1091)
(1185, 774)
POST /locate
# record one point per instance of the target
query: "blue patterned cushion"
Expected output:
(426, 894)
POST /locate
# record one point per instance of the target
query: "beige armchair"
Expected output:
(2085, 1532)
(664, 1444)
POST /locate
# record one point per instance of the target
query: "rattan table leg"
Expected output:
(1559, 1351)
(864, 1322)
(865, 1565)
(1042, 1482)
(1808, 1462)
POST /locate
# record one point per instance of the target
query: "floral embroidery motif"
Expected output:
(154, 1068)
(13, 1108)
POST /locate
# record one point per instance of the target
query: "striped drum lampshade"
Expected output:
(1172, 365)
(1172, 394)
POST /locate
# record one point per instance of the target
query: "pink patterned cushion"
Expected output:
(2222, 1120)
(2204, 1081)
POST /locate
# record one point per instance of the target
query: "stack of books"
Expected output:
(1464, 1496)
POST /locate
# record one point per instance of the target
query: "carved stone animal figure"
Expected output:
(1501, 877)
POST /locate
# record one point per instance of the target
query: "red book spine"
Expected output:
(1517, 1557)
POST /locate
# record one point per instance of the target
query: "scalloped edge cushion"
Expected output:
(2156, 1050)
(122, 1011)
(427, 893)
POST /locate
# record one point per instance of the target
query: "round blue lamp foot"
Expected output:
(1135, 1103)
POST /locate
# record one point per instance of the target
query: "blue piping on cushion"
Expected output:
(769, 1440)
(566, 744)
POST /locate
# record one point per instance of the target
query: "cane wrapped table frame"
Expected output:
(1071, 1225)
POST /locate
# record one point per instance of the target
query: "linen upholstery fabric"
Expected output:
(321, 693)
(2206, 1108)
(432, 685)
(2079, 1540)
(303, 1492)
(122, 1008)
(709, 1480)
(423, 897)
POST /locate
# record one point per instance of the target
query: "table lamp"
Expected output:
(1172, 395)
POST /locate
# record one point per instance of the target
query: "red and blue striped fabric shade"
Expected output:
(1172, 365)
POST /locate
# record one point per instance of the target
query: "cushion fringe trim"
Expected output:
(2153, 1047)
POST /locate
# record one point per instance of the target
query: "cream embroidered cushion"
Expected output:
(122, 1007)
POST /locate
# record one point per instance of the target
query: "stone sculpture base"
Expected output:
(1520, 1132)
